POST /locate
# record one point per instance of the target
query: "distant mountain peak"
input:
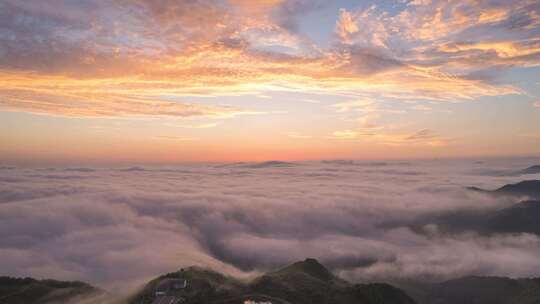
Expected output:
(530, 188)
(33, 291)
(270, 164)
(312, 261)
(527, 187)
(531, 170)
(311, 267)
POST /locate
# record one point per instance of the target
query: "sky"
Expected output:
(173, 81)
(367, 221)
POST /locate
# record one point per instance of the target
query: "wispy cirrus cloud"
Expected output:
(447, 38)
(176, 138)
(298, 135)
(346, 134)
(107, 105)
(202, 126)
(382, 135)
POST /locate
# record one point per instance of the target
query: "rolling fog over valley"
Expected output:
(366, 221)
(269, 152)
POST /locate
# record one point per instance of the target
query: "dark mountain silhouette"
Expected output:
(529, 188)
(132, 169)
(204, 286)
(522, 217)
(310, 268)
(303, 282)
(531, 170)
(30, 291)
(338, 162)
(300, 283)
(270, 164)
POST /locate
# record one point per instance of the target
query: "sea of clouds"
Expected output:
(119, 227)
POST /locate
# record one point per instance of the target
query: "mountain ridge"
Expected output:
(302, 282)
(29, 290)
(529, 188)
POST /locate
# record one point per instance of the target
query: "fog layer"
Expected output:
(118, 227)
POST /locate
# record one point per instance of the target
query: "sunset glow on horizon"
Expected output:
(169, 81)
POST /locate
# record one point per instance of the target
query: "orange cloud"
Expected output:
(122, 59)
(423, 137)
(80, 98)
